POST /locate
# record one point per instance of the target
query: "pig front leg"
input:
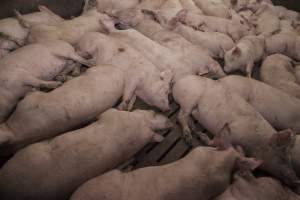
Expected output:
(249, 69)
(38, 83)
(54, 16)
(184, 120)
(75, 57)
(70, 68)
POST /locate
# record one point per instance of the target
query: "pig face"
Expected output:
(233, 60)
(278, 157)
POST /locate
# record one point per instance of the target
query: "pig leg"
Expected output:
(249, 69)
(129, 96)
(56, 17)
(79, 59)
(70, 67)
(131, 103)
(184, 120)
(38, 83)
(23, 22)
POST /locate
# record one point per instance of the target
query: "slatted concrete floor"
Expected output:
(169, 150)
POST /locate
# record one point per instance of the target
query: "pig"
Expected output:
(142, 78)
(43, 115)
(69, 30)
(215, 107)
(288, 27)
(13, 35)
(296, 155)
(266, 19)
(297, 73)
(215, 8)
(183, 179)
(284, 13)
(278, 71)
(162, 57)
(168, 11)
(233, 28)
(247, 187)
(247, 52)
(216, 43)
(112, 6)
(281, 110)
(144, 22)
(77, 156)
(23, 69)
(191, 6)
(284, 43)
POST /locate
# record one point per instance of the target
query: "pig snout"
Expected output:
(161, 122)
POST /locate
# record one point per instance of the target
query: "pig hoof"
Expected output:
(122, 106)
(51, 85)
(61, 78)
(188, 138)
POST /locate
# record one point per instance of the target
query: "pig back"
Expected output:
(43, 115)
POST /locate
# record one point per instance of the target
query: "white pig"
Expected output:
(281, 110)
(112, 6)
(54, 168)
(191, 6)
(32, 66)
(215, 8)
(69, 30)
(266, 19)
(278, 71)
(247, 187)
(297, 73)
(43, 115)
(142, 78)
(231, 27)
(13, 35)
(143, 22)
(284, 43)
(189, 178)
(216, 43)
(215, 107)
(247, 52)
(162, 57)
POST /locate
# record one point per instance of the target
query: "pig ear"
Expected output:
(237, 52)
(245, 165)
(157, 138)
(283, 139)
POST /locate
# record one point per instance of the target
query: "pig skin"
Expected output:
(142, 78)
(278, 71)
(266, 19)
(162, 57)
(15, 35)
(69, 30)
(281, 110)
(43, 115)
(247, 187)
(216, 43)
(231, 27)
(189, 178)
(54, 168)
(213, 8)
(198, 56)
(32, 66)
(284, 43)
(247, 52)
(214, 106)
